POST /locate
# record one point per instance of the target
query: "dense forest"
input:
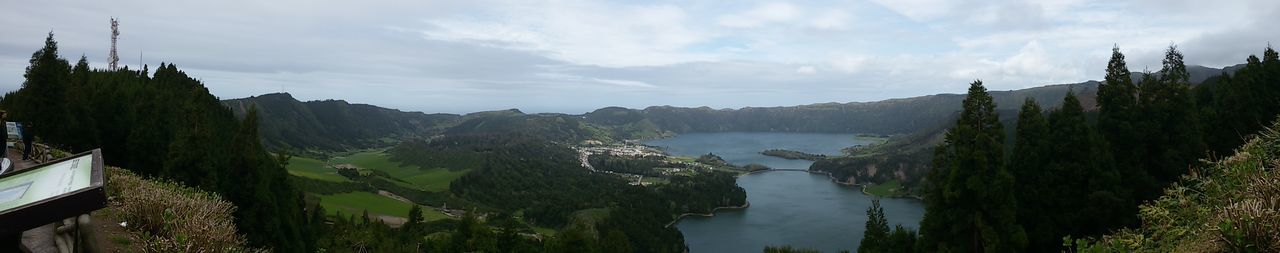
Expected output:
(333, 125)
(163, 124)
(630, 165)
(540, 182)
(1067, 177)
(550, 126)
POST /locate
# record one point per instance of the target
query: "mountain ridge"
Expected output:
(335, 125)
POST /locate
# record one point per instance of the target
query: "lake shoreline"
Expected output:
(708, 214)
(833, 179)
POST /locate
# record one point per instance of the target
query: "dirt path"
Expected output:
(394, 196)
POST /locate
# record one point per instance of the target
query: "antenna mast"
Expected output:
(114, 58)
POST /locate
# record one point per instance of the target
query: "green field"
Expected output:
(312, 168)
(434, 180)
(884, 190)
(354, 203)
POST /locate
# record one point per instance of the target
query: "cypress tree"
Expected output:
(1086, 193)
(970, 206)
(46, 84)
(876, 234)
(413, 226)
(1168, 106)
(902, 240)
(1027, 164)
(1119, 119)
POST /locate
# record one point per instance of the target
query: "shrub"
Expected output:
(168, 217)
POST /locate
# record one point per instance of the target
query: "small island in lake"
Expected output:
(792, 154)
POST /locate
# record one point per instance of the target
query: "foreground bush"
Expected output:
(169, 217)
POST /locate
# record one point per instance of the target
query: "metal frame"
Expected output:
(57, 208)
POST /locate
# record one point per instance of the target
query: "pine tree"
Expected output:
(902, 240)
(876, 234)
(1028, 166)
(1087, 197)
(46, 86)
(413, 226)
(970, 206)
(1170, 112)
(1119, 121)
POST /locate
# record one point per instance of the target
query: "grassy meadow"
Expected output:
(354, 203)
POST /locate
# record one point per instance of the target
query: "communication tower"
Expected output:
(113, 59)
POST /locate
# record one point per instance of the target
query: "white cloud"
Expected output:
(760, 15)
(806, 70)
(581, 32)
(831, 20)
(577, 55)
(848, 64)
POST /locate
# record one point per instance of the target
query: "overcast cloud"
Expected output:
(574, 56)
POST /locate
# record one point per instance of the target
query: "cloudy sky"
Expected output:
(573, 56)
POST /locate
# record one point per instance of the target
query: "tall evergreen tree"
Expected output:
(1170, 112)
(875, 236)
(1086, 186)
(970, 206)
(413, 226)
(1119, 122)
(264, 181)
(45, 92)
(902, 240)
(1027, 164)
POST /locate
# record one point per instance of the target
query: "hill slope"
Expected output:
(893, 116)
(332, 125)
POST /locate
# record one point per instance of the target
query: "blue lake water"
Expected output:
(787, 208)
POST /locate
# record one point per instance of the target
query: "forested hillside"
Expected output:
(551, 126)
(163, 125)
(541, 182)
(906, 158)
(893, 116)
(334, 125)
(1067, 177)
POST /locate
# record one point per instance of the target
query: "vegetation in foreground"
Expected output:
(164, 216)
(1227, 206)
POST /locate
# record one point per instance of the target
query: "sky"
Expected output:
(575, 56)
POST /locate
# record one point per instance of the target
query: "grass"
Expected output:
(873, 139)
(887, 189)
(434, 180)
(121, 240)
(355, 203)
(314, 169)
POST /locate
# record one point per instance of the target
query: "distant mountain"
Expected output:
(332, 125)
(551, 126)
(894, 116)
